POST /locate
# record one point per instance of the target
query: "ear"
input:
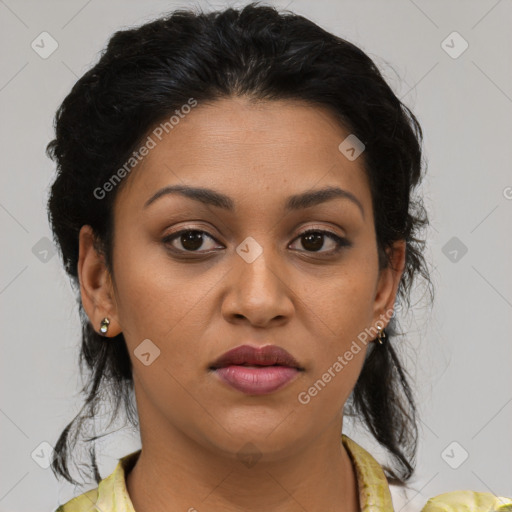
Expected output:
(96, 285)
(387, 285)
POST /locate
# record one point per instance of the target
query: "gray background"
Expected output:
(460, 352)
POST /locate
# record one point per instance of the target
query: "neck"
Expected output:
(177, 472)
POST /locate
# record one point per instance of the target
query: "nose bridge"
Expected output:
(258, 291)
(258, 264)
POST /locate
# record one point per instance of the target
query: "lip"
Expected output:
(256, 371)
(256, 356)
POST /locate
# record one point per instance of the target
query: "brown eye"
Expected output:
(190, 240)
(313, 240)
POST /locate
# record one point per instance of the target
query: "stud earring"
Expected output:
(381, 335)
(104, 326)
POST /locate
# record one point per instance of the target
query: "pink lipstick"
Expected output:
(256, 371)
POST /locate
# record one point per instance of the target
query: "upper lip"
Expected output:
(263, 356)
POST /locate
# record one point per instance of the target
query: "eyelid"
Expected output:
(321, 229)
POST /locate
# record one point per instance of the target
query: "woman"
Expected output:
(234, 202)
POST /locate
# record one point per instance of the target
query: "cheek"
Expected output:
(328, 388)
(171, 305)
(155, 298)
(340, 310)
(341, 301)
(344, 312)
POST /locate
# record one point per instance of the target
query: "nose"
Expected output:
(258, 293)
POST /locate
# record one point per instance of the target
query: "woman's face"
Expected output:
(248, 277)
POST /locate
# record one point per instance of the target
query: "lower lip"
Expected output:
(257, 380)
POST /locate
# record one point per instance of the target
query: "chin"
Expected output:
(267, 440)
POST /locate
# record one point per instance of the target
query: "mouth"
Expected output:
(256, 371)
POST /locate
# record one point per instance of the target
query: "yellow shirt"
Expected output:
(374, 496)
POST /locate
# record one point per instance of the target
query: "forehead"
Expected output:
(245, 148)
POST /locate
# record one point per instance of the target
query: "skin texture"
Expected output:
(194, 307)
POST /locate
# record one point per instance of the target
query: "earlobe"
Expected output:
(96, 288)
(389, 281)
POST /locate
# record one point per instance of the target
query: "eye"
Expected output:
(313, 240)
(189, 239)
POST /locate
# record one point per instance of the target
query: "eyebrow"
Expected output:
(295, 202)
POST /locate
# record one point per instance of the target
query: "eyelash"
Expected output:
(341, 242)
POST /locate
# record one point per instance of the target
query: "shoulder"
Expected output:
(82, 503)
(468, 501)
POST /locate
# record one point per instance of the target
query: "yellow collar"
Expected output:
(373, 486)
